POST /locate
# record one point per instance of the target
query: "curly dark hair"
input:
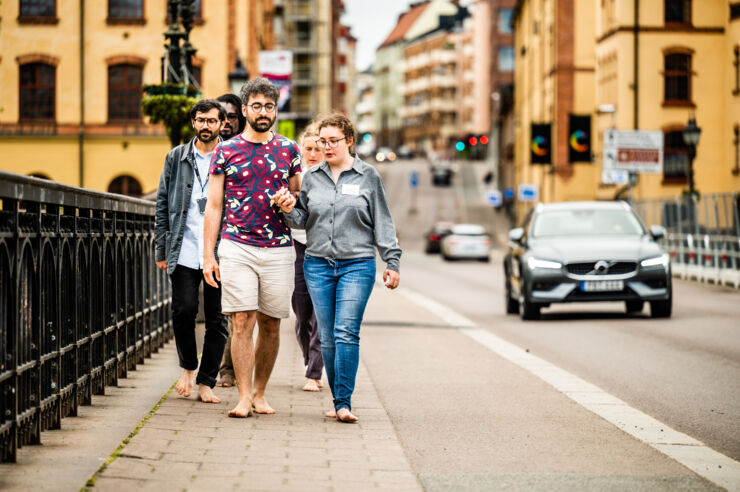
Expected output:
(234, 99)
(259, 85)
(338, 120)
(205, 105)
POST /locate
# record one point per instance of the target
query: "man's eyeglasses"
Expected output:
(210, 121)
(323, 143)
(257, 107)
(232, 116)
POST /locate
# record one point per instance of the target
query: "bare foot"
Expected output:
(332, 414)
(185, 385)
(260, 405)
(226, 381)
(243, 409)
(205, 394)
(344, 415)
(311, 385)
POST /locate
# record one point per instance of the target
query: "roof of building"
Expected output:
(405, 21)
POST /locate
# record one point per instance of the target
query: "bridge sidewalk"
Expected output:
(190, 445)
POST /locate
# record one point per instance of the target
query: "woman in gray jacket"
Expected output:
(343, 207)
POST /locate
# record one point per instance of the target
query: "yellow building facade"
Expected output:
(78, 53)
(582, 55)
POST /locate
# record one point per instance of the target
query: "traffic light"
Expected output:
(473, 141)
(483, 140)
(460, 146)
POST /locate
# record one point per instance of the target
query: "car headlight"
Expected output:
(661, 260)
(535, 263)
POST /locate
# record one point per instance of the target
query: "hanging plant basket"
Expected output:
(170, 105)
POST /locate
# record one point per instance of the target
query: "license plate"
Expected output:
(602, 285)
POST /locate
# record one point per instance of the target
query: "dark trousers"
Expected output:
(185, 284)
(306, 328)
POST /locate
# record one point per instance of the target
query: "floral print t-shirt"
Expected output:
(254, 173)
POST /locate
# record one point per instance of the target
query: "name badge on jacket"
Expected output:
(348, 189)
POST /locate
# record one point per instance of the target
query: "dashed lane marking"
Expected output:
(695, 455)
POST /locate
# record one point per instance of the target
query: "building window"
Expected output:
(124, 92)
(37, 92)
(504, 21)
(678, 11)
(734, 11)
(677, 78)
(125, 185)
(675, 157)
(506, 59)
(736, 63)
(125, 11)
(38, 8)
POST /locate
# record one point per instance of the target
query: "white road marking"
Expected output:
(695, 455)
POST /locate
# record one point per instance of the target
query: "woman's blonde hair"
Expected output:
(311, 130)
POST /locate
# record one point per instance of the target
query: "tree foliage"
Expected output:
(170, 104)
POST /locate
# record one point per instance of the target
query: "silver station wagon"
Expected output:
(586, 252)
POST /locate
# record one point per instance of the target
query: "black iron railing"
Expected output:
(81, 301)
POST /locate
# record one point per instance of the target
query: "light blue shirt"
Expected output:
(191, 251)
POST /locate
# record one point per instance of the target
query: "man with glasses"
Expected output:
(181, 206)
(256, 255)
(233, 126)
(235, 120)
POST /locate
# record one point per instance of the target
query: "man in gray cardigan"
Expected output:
(181, 205)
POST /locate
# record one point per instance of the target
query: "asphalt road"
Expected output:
(469, 420)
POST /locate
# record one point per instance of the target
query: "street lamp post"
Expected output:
(691, 134)
(238, 77)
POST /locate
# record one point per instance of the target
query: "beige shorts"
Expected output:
(256, 279)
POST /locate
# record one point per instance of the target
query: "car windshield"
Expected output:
(586, 223)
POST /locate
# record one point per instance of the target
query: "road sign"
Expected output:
(509, 193)
(615, 176)
(528, 193)
(634, 151)
(493, 198)
(414, 179)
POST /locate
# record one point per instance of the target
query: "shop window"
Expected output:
(124, 92)
(37, 92)
(125, 11)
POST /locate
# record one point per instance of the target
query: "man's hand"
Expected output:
(285, 200)
(210, 269)
(162, 265)
(391, 279)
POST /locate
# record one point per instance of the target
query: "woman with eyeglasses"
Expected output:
(343, 207)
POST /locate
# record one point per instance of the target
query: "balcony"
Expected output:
(416, 62)
(304, 75)
(444, 105)
(444, 81)
(365, 107)
(300, 10)
(448, 130)
(301, 42)
(444, 57)
(415, 85)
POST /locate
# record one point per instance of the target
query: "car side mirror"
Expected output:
(516, 235)
(658, 232)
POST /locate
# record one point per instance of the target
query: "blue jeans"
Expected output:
(340, 290)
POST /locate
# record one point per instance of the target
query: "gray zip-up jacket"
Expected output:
(347, 219)
(173, 202)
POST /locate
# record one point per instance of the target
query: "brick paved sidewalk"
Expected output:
(194, 446)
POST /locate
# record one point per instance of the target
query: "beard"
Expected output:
(261, 124)
(227, 132)
(207, 136)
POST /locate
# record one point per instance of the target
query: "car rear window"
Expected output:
(586, 223)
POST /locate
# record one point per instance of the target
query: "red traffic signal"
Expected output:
(473, 141)
(483, 140)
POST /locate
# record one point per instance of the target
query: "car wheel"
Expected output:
(528, 310)
(512, 305)
(661, 309)
(634, 306)
(485, 259)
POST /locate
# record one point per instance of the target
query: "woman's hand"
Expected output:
(285, 200)
(391, 279)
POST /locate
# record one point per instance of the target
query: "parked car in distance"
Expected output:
(442, 173)
(385, 154)
(586, 252)
(466, 242)
(435, 236)
(365, 149)
(405, 152)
